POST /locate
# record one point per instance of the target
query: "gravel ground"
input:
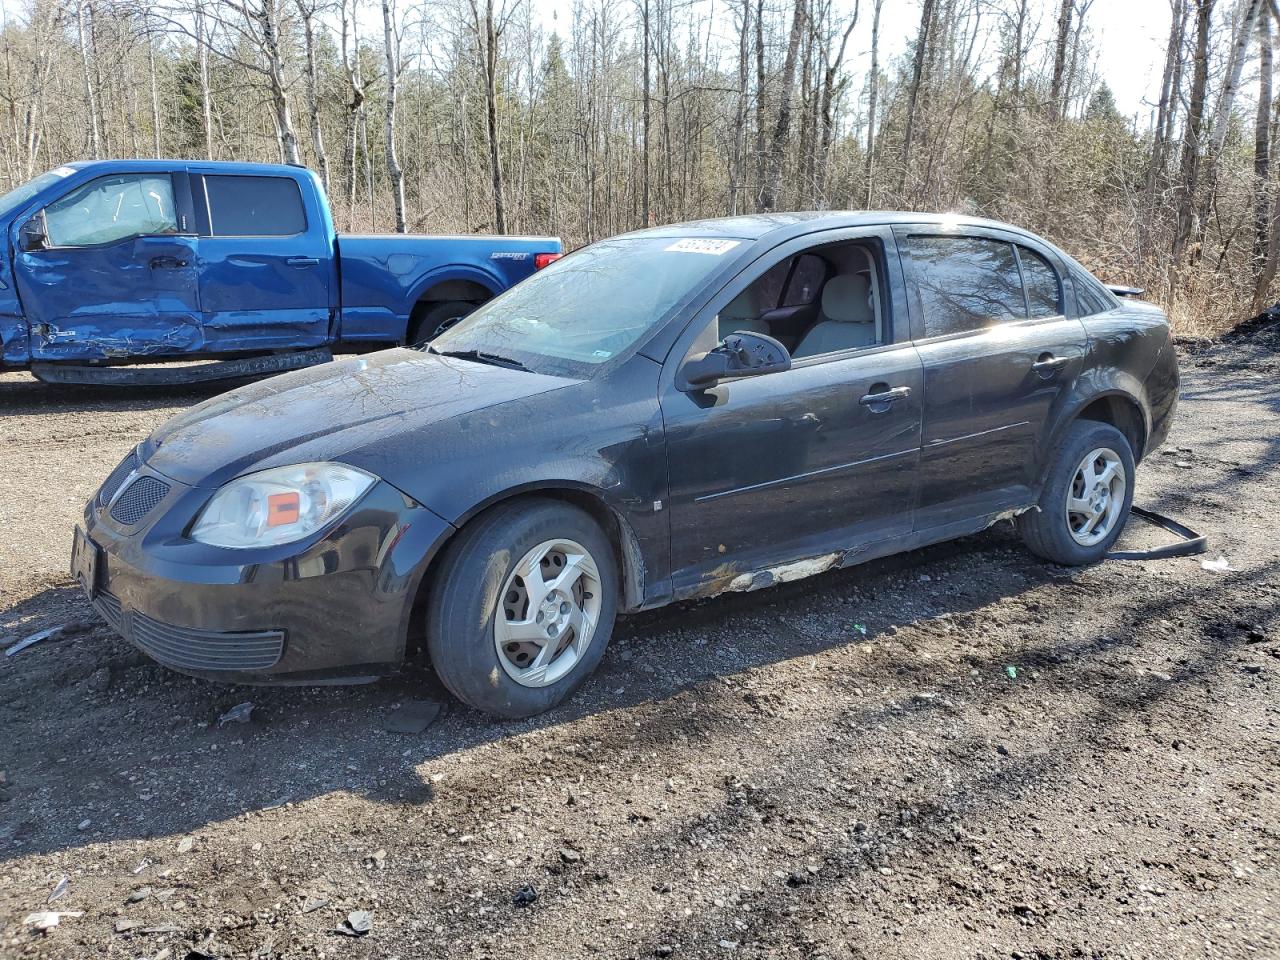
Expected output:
(961, 752)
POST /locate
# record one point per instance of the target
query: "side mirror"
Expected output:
(738, 356)
(32, 235)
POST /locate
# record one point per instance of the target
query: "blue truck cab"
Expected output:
(123, 261)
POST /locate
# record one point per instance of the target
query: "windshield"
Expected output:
(20, 194)
(591, 306)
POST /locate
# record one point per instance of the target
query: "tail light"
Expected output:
(541, 260)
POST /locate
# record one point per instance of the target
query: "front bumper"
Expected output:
(328, 608)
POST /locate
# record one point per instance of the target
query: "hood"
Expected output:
(321, 412)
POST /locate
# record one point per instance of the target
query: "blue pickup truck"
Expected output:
(123, 261)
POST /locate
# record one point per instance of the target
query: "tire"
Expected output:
(431, 320)
(1058, 533)
(494, 666)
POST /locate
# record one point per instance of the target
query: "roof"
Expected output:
(784, 225)
(171, 164)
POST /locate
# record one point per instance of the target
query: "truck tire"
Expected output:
(432, 319)
(522, 607)
(1086, 497)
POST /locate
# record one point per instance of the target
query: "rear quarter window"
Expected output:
(244, 206)
(1091, 296)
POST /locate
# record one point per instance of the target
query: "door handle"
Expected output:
(167, 263)
(885, 397)
(303, 261)
(1048, 363)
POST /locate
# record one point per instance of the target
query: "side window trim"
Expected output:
(902, 231)
(159, 175)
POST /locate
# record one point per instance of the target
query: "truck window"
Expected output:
(112, 208)
(241, 206)
(965, 283)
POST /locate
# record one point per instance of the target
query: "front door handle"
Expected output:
(1048, 363)
(883, 398)
(167, 263)
(303, 261)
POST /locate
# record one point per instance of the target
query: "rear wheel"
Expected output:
(522, 607)
(1086, 497)
(432, 319)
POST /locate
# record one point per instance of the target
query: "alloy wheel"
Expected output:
(1096, 496)
(548, 614)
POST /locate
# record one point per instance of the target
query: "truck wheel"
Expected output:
(522, 607)
(431, 320)
(1086, 497)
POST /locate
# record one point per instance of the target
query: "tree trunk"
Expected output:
(1057, 84)
(90, 88)
(392, 44)
(913, 91)
(307, 14)
(490, 45)
(773, 176)
(737, 166)
(1264, 265)
(155, 94)
(872, 102)
(1168, 103)
(202, 65)
(269, 23)
(1189, 168)
(645, 119)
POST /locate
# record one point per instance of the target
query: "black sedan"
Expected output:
(670, 414)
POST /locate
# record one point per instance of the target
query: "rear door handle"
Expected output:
(1048, 363)
(303, 261)
(885, 397)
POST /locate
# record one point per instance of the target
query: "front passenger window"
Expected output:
(965, 283)
(112, 208)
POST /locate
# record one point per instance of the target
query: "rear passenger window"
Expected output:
(965, 283)
(1044, 295)
(254, 206)
(806, 281)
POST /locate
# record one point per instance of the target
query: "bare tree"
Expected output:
(391, 48)
(782, 128)
(307, 12)
(873, 81)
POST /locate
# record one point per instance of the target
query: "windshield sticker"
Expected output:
(63, 171)
(603, 354)
(716, 248)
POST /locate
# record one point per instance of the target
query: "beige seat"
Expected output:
(847, 320)
(742, 314)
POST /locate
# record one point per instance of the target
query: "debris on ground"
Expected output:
(59, 889)
(185, 845)
(237, 714)
(44, 920)
(414, 716)
(357, 924)
(1220, 565)
(1011, 672)
(32, 640)
(312, 904)
(137, 896)
(525, 896)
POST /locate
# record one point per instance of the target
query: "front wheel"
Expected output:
(1086, 496)
(522, 607)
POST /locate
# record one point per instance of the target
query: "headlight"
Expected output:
(280, 505)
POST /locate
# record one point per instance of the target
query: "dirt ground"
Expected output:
(751, 776)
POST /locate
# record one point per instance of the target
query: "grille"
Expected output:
(188, 649)
(138, 499)
(117, 477)
(107, 605)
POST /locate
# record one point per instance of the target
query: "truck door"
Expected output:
(266, 252)
(109, 270)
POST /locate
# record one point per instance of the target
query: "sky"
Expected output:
(1129, 35)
